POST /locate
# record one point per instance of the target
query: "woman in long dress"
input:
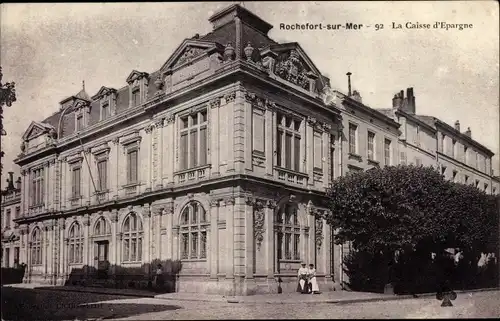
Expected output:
(314, 288)
(159, 280)
(303, 284)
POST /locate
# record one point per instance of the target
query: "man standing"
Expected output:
(314, 288)
(303, 285)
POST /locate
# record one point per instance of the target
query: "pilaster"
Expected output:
(310, 150)
(269, 238)
(215, 135)
(170, 246)
(229, 208)
(326, 152)
(116, 169)
(214, 239)
(146, 214)
(115, 246)
(270, 140)
(239, 129)
(86, 239)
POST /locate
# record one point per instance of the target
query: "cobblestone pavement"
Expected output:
(467, 305)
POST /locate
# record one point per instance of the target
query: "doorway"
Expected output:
(101, 260)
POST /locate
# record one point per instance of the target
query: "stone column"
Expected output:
(46, 185)
(326, 155)
(229, 208)
(254, 223)
(147, 233)
(311, 249)
(175, 243)
(24, 193)
(229, 116)
(157, 212)
(215, 135)
(248, 147)
(62, 260)
(170, 246)
(269, 237)
(115, 168)
(86, 240)
(214, 239)
(270, 140)
(114, 248)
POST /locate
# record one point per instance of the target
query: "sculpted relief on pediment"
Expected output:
(291, 67)
(188, 54)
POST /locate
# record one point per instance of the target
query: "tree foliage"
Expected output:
(7, 97)
(401, 207)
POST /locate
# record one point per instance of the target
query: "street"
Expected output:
(24, 304)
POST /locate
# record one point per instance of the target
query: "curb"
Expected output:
(97, 291)
(331, 301)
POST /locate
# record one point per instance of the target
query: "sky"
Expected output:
(49, 49)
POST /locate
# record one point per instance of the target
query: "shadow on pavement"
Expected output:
(28, 304)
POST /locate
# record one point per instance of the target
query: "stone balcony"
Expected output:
(192, 174)
(289, 176)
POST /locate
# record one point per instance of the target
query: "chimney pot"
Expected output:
(468, 132)
(457, 125)
(349, 83)
(18, 183)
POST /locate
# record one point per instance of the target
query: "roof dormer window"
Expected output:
(105, 112)
(79, 122)
(136, 98)
(138, 87)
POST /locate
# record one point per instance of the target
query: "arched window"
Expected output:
(36, 247)
(75, 243)
(132, 238)
(101, 227)
(193, 231)
(287, 233)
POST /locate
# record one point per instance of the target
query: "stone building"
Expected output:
(220, 160)
(10, 210)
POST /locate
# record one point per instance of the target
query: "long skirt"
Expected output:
(314, 285)
(303, 286)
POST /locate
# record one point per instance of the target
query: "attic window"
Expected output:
(79, 122)
(135, 97)
(105, 111)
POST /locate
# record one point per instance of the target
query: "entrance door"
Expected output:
(101, 258)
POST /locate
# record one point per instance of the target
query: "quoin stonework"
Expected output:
(219, 159)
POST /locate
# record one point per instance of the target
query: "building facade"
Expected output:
(220, 160)
(10, 210)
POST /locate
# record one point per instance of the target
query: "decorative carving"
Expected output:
(270, 105)
(292, 198)
(259, 225)
(190, 196)
(229, 97)
(146, 211)
(229, 200)
(311, 120)
(318, 237)
(159, 123)
(271, 204)
(255, 100)
(114, 215)
(157, 210)
(149, 128)
(214, 202)
(248, 52)
(327, 127)
(189, 54)
(229, 52)
(169, 119)
(158, 84)
(169, 208)
(116, 140)
(86, 220)
(291, 68)
(215, 103)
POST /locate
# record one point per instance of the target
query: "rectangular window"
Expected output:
(102, 170)
(318, 151)
(79, 122)
(296, 247)
(443, 144)
(258, 134)
(352, 139)
(132, 166)
(105, 111)
(387, 152)
(288, 240)
(7, 218)
(403, 158)
(279, 148)
(454, 177)
(453, 146)
(37, 190)
(18, 212)
(136, 97)
(371, 143)
(126, 250)
(466, 179)
(288, 150)
(7, 257)
(296, 156)
(193, 140)
(332, 164)
(466, 157)
(76, 182)
(477, 183)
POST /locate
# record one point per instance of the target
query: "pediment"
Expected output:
(294, 65)
(136, 75)
(36, 129)
(104, 91)
(187, 51)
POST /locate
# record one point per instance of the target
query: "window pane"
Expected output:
(279, 245)
(194, 217)
(279, 140)
(194, 119)
(125, 250)
(203, 146)
(203, 116)
(185, 216)
(203, 245)
(203, 214)
(184, 122)
(194, 245)
(184, 151)
(193, 149)
(288, 151)
(288, 254)
(185, 246)
(297, 125)
(352, 139)
(126, 225)
(139, 249)
(133, 248)
(288, 122)
(296, 247)
(296, 152)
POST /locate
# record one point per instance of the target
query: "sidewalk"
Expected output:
(337, 297)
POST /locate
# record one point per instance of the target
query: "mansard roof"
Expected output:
(36, 129)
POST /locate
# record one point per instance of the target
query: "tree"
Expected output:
(7, 97)
(413, 210)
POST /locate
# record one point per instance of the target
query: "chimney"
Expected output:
(10, 181)
(18, 183)
(349, 84)
(356, 96)
(468, 132)
(397, 101)
(457, 125)
(410, 100)
(196, 36)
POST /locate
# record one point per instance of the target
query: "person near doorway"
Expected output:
(313, 283)
(159, 280)
(303, 276)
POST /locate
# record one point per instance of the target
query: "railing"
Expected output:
(192, 174)
(35, 209)
(130, 189)
(101, 196)
(75, 201)
(290, 176)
